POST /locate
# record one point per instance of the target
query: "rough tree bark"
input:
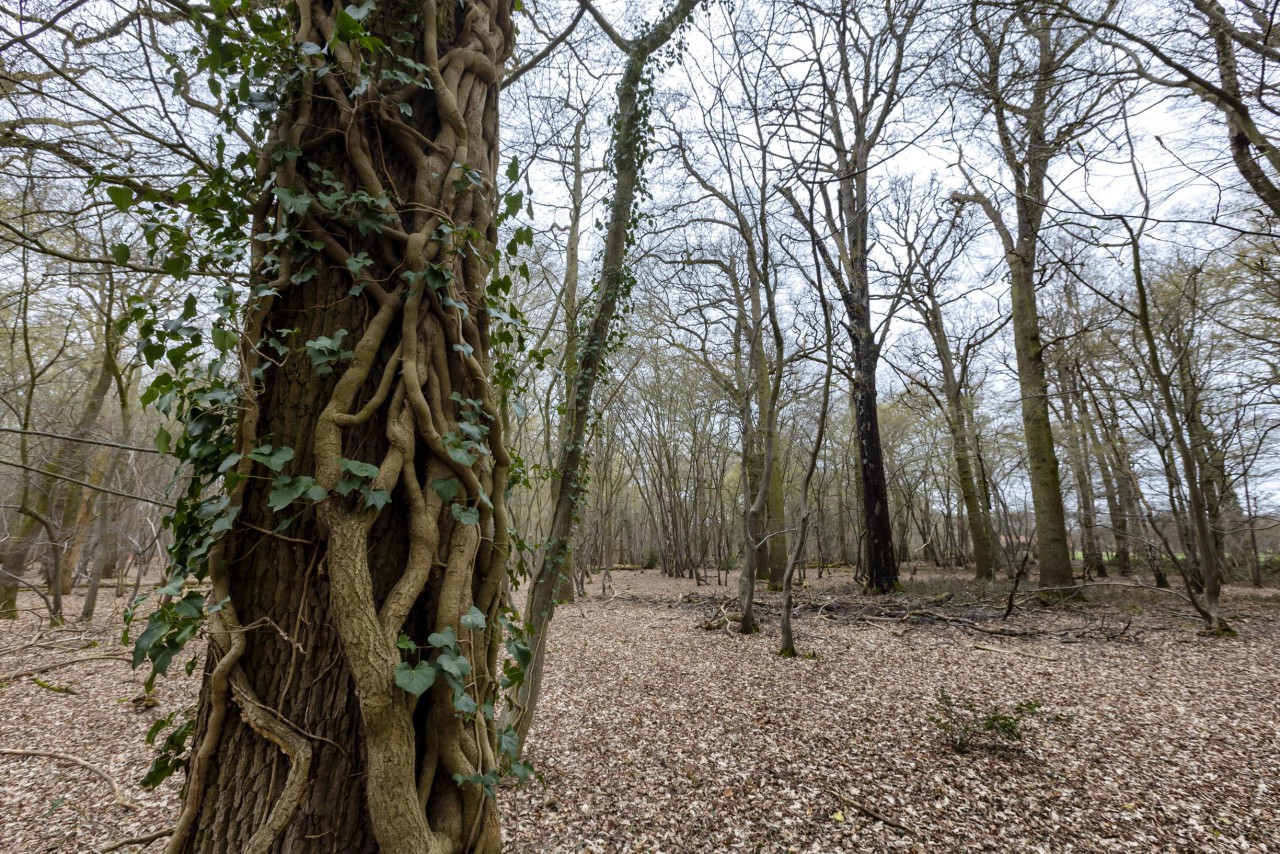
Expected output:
(304, 741)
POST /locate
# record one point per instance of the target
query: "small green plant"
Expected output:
(650, 560)
(966, 727)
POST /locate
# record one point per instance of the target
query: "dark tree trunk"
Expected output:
(882, 564)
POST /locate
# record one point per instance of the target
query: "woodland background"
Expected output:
(949, 332)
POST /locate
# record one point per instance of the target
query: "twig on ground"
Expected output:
(45, 668)
(1013, 652)
(876, 814)
(66, 757)
(49, 686)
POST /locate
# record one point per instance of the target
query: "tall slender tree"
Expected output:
(1036, 76)
(867, 59)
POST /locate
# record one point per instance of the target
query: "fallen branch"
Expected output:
(49, 686)
(877, 815)
(66, 757)
(45, 668)
(1013, 652)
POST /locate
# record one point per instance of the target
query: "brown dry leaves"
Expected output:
(51, 805)
(654, 735)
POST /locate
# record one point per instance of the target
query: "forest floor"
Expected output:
(655, 734)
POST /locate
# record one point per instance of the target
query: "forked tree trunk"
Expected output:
(304, 741)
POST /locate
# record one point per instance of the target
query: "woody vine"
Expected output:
(348, 473)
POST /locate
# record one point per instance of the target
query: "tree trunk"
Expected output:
(13, 563)
(1198, 508)
(305, 742)
(1042, 459)
(961, 442)
(882, 565)
(1078, 448)
(1111, 490)
(629, 129)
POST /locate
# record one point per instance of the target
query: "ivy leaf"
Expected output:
(288, 490)
(466, 515)
(452, 303)
(446, 488)
(120, 253)
(191, 605)
(475, 432)
(465, 703)
(405, 642)
(359, 469)
(377, 498)
(473, 619)
(455, 664)
(291, 202)
(272, 459)
(121, 197)
(415, 680)
(356, 263)
(462, 456)
(223, 339)
(443, 640)
(173, 587)
(509, 743)
(359, 13)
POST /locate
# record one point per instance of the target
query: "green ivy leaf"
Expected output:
(272, 459)
(121, 197)
(466, 515)
(455, 664)
(509, 742)
(462, 456)
(291, 202)
(473, 619)
(288, 490)
(358, 468)
(223, 339)
(443, 640)
(446, 488)
(415, 680)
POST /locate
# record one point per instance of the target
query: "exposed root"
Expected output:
(145, 839)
